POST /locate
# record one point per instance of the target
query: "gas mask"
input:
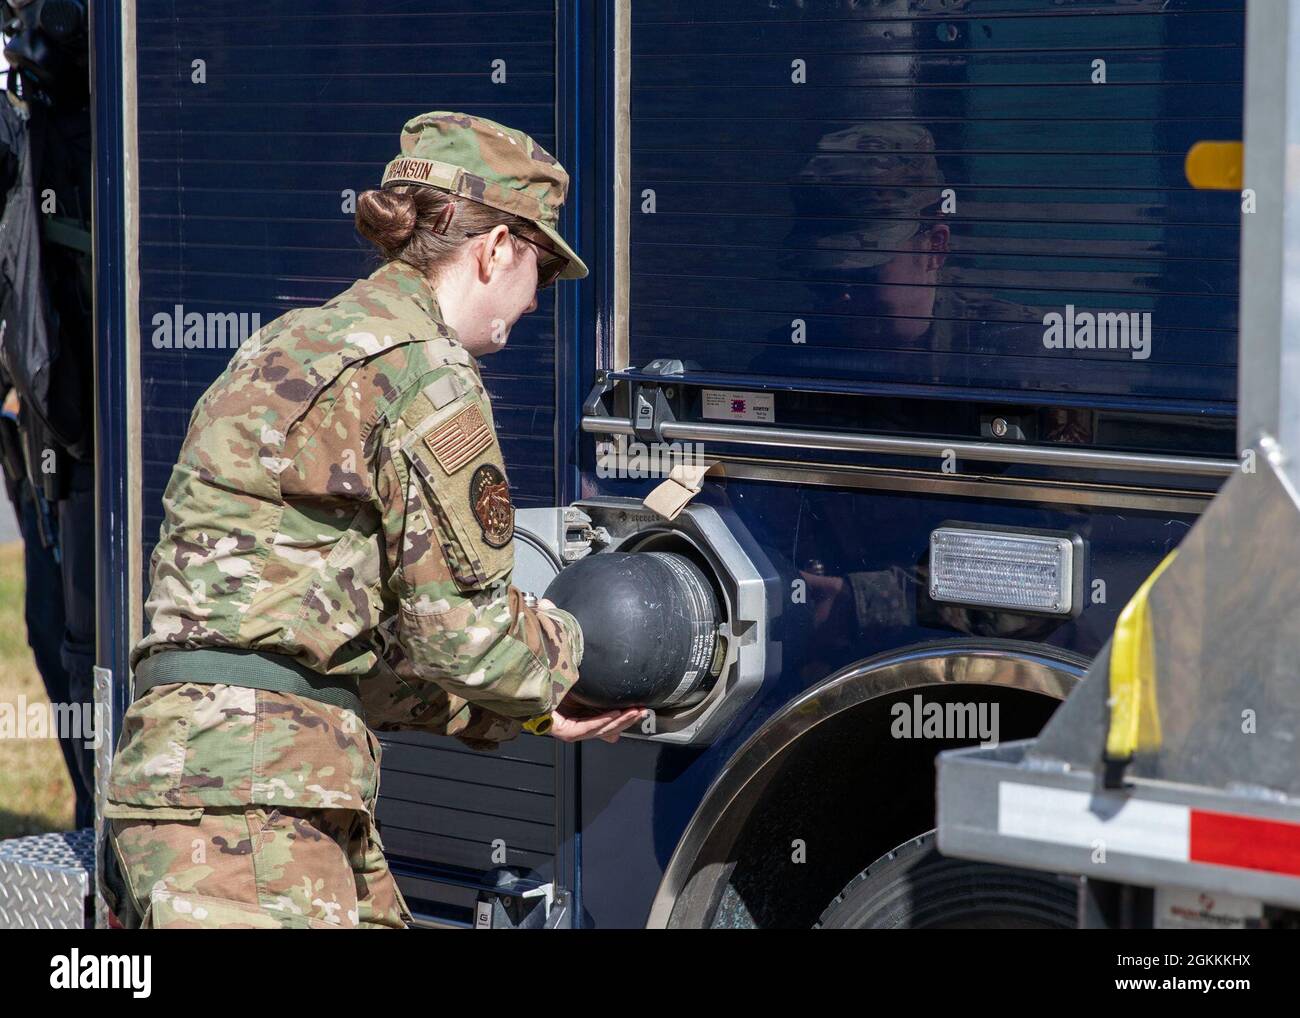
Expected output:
(47, 51)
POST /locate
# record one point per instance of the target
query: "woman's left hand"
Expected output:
(574, 727)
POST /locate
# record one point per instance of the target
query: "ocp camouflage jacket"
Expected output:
(340, 498)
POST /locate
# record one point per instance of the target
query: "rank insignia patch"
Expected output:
(457, 441)
(489, 496)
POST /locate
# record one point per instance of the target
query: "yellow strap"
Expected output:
(1134, 718)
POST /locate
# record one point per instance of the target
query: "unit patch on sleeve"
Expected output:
(489, 496)
(458, 440)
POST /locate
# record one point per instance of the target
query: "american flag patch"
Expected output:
(457, 441)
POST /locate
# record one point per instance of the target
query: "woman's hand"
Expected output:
(568, 724)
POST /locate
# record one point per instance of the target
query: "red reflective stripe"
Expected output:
(1221, 839)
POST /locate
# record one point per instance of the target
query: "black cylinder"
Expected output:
(649, 625)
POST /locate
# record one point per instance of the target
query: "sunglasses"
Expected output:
(550, 263)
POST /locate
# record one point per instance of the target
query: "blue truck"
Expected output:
(922, 282)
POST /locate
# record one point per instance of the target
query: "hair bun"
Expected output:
(387, 218)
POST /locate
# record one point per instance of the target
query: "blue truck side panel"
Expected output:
(770, 199)
(638, 797)
(773, 201)
(243, 177)
(112, 369)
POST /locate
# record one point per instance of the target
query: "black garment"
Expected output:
(60, 617)
(27, 350)
(45, 271)
(61, 166)
(47, 354)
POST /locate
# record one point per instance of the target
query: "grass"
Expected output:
(35, 791)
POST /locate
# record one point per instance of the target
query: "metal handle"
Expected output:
(801, 438)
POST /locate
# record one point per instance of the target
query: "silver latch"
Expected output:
(579, 535)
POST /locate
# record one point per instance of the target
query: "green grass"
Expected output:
(35, 792)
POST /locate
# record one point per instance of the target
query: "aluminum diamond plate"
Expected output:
(45, 880)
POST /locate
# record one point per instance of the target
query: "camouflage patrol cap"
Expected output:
(490, 163)
(893, 177)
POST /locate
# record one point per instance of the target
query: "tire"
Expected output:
(913, 887)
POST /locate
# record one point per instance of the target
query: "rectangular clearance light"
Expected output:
(995, 569)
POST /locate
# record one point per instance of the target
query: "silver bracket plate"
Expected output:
(104, 742)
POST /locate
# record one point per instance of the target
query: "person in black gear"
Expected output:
(46, 353)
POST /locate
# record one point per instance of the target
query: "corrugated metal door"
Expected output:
(244, 161)
(901, 191)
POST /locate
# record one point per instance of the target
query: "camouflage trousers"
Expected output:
(258, 867)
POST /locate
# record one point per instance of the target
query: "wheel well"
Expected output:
(845, 793)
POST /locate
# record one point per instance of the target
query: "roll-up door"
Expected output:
(904, 192)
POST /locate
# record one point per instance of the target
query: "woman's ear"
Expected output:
(487, 252)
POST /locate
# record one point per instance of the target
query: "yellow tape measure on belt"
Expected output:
(1134, 717)
(539, 724)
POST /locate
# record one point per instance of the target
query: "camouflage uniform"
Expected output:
(340, 500)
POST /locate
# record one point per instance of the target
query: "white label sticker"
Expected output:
(726, 405)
